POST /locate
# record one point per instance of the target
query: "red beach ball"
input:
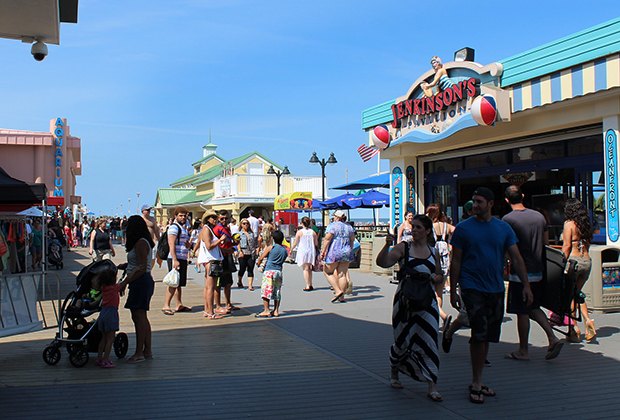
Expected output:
(381, 137)
(484, 110)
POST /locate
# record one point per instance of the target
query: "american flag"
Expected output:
(366, 152)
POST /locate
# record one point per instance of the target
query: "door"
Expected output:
(256, 178)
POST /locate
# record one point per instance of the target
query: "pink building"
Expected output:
(53, 157)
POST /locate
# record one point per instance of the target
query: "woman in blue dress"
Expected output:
(336, 254)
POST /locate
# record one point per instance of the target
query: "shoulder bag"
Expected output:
(416, 293)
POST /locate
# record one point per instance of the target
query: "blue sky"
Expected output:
(142, 83)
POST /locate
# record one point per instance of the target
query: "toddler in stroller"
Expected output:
(54, 253)
(81, 335)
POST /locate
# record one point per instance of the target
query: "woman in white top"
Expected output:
(307, 242)
(442, 233)
(211, 251)
(141, 285)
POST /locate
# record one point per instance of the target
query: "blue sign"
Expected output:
(59, 134)
(397, 195)
(611, 184)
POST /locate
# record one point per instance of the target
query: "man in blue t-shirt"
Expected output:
(478, 248)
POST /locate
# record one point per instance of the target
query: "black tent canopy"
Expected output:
(14, 191)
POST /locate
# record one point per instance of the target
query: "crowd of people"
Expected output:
(468, 261)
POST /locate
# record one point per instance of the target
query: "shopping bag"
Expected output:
(172, 278)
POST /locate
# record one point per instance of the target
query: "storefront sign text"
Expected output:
(434, 105)
(397, 187)
(59, 133)
(611, 185)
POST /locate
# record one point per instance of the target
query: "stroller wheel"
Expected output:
(51, 355)
(79, 356)
(121, 345)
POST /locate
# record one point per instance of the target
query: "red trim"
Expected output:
(56, 201)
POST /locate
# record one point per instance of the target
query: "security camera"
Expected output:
(39, 50)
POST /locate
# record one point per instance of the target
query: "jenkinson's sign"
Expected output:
(447, 99)
(428, 110)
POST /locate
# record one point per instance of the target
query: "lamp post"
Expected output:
(137, 203)
(278, 174)
(331, 160)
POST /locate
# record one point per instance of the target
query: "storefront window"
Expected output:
(539, 152)
(446, 165)
(586, 146)
(486, 160)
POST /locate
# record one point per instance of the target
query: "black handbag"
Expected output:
(416, 292)
(216, 268)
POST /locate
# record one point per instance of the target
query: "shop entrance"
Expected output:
(549, 173)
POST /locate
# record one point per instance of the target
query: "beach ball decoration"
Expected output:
(381, 137)
(484, 110)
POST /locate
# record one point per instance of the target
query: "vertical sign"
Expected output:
(59, 134)
(397, 194)
(410, 174)
(611, 185)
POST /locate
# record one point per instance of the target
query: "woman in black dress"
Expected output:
(415, 351)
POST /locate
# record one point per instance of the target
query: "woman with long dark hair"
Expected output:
(576, 239)
(141, 285)
(210, 255)
(415, 319)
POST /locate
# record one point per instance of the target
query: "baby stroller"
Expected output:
(54, 254)
(77, 330)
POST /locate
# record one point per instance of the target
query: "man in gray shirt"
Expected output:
(531, 229)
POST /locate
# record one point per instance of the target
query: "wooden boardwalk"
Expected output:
(318, 360)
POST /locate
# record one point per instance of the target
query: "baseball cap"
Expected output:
(468, 206)
(484, 192)
(338, 213)
(146, 207)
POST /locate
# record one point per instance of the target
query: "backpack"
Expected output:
(443, 249)
(163, 249)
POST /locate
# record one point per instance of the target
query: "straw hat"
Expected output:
(208, 213)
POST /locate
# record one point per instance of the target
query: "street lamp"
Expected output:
(278, 174)
(331, 160)
(138, 203)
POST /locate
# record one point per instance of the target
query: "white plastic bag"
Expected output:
(172, 278)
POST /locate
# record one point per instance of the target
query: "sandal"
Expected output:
(476, 397)
(168, 311)
(338, 297)
(435, 396)
(212, 316)
(484, 390)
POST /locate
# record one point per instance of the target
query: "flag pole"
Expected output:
(378, 214)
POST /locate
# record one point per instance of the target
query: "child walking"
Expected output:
(272, 276)
(108, 321)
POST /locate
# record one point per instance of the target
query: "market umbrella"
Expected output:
(335, 202)
(32, 212)
(367, 200)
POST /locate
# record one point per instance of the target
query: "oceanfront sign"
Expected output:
(59, 134)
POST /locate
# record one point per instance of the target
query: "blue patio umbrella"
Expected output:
(367, 200)
(335, 202)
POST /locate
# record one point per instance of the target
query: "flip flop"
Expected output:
(554, 351)
(337, 297)
(212, 316)
(184, 309)
(476, 397)
(484, 390)
(134, 360)
(167, 311)
(435, 396)
(262, 316)
(515, 356)
(396, 384)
